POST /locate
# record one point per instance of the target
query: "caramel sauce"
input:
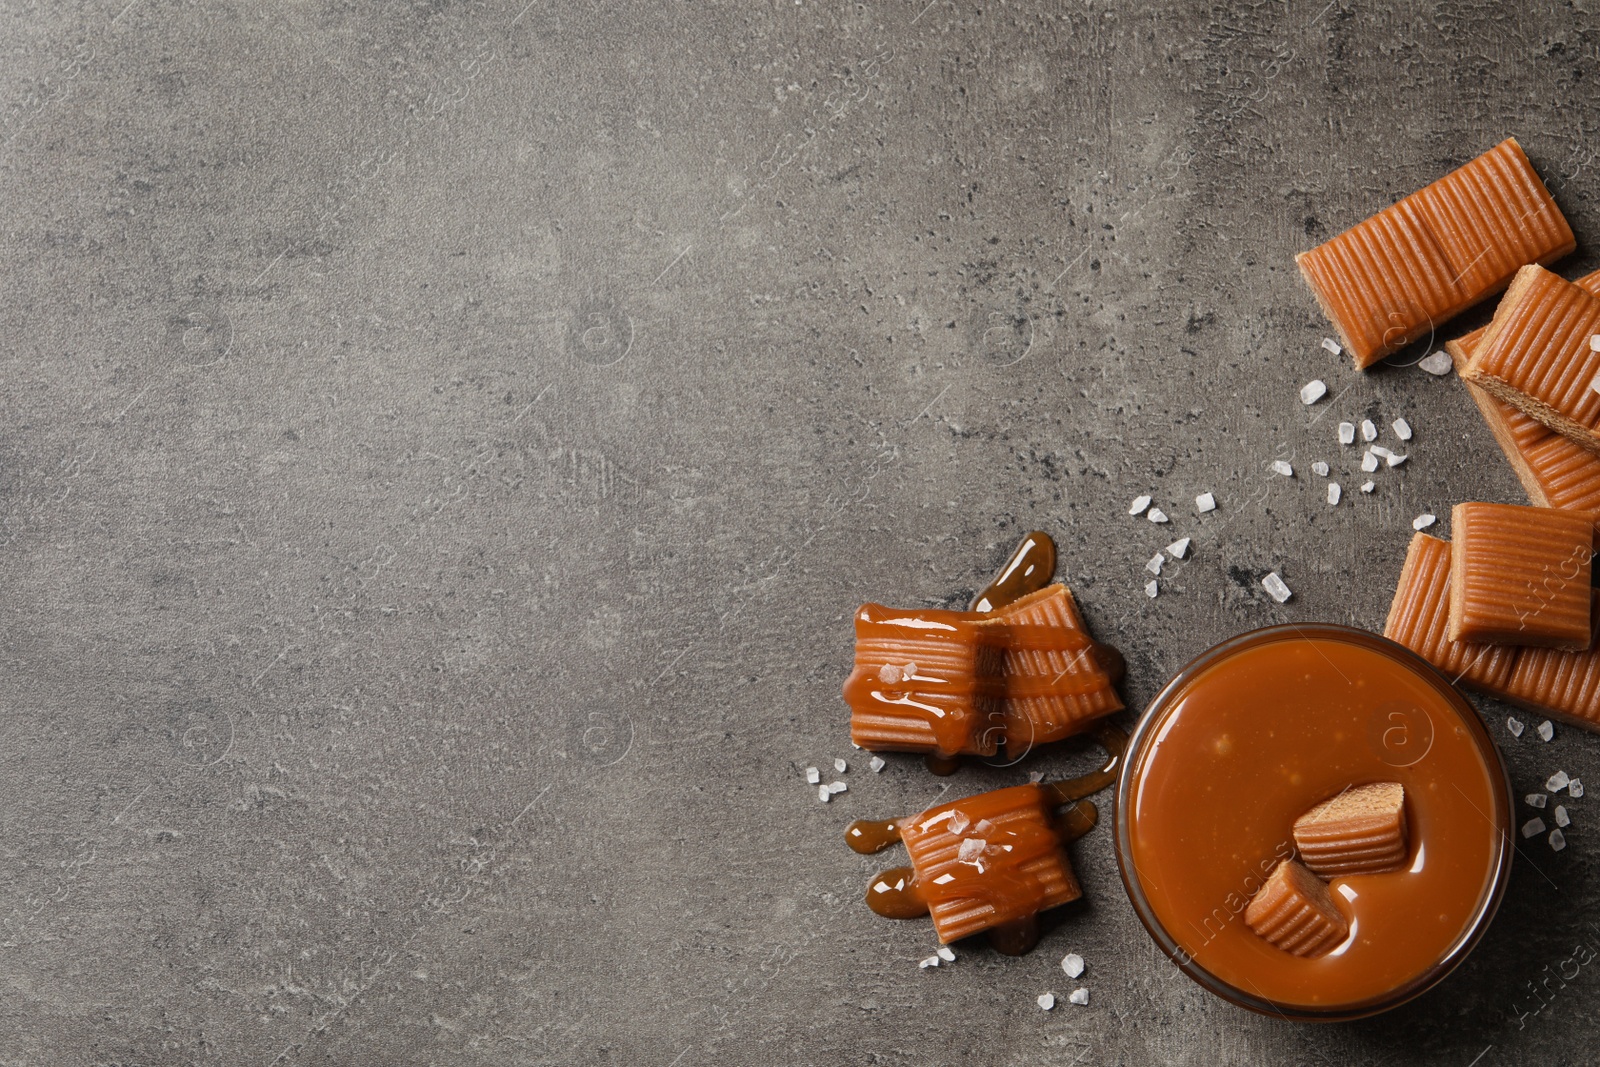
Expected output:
(941, 765)
(1076, 821)
(1029, 570)
(1115, 741)
(899, 898)
(867, 836)
(1015, 938)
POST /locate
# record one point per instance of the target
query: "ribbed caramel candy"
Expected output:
(1564, 685)
(1055, 684)
(1411, 267)
(1360, 831)
(1536, 356)
(1295, 912)
(1520, 575)
(1419, 618)
(988, 860)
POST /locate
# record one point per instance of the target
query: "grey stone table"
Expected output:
(441, 445)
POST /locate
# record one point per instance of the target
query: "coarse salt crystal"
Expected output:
(823, 794)
(840, 765)
(1079, 996)
(1575, 788)
(1594, 343)
(1558, 840)
(1313, 391)
(1205, 502)
(1514, 724)
(1151, 589)
(971, 849)
(982, 826)
(1395, 459)
(838, 787)
(1369, 462)
(1533, 827)
(1369, 432)
(877, 763)
(1035, 777)
(1545, 731)
(1333, 493)
(1275, 587)
(1562, 818)
(1047, 1001)
(1154, 566)
(1332, 346)
(1320, 469)
(1179, 548)
(1380, 452)
(1557, 782)
(1367, 487)
(1402, 429)
(1436, 364)
(946, 953)
(1072, 963)
(1157, 515)
(958, 821)
(1423, 521)
(1347, 433)
(1138, 505)
(931, 961)
(1535, 800)
(813, 775)
(1282, 467)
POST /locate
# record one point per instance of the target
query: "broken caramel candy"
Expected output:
(988, 860)
(1295, 912)
(1520, 575)
(1563, 685)
(1419, 620)
(1406, 270)
(925, 680)
(1360, 831)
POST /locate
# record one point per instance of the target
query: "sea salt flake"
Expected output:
(1151, 589)
(813, 776)
(1423, 521)
(971, 849)
(1205, 502)
(1282, 467)
(958, 821)
(823, 794)
(1394, 459)
(840, 765)
(1562, 818)
(1332, 346)
(1347, 433)
(1535, 800)
(1402, 429)
(1138, 505)
(1333, 493)
(838, 787)
(1558, 840)
(1035, 777)
(1557, 782)
(1157, 515)
(1369, 432)
(877, 763)
(931, 961)
(1047, 1001)
(1380, 451)
(1179, 548)
(1594, 343)
(1436, 364)
(1320, 469)
(1369, 462)
(1545, 731)
(983, 826)
(1154, 566)
(944, 878)
(1575, 789)
(1533, 827)
(1367, 487)
(1079, 996)
(1514, 724)
(1313, 391)
(947, 953)
(1072, 963)
(1275, 587)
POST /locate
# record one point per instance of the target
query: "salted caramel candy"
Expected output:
(1295, 912)
(1520, 575)
(1563, 685)
(1408, 269)
(1419, 618)
(1360, 831)
(1536, 356)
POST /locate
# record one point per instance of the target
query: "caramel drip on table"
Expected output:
(1115, 741)
(941, 765)
(867, 836)
(1015, 938)
(1076, 821)
(900, 899)
(1029, 570)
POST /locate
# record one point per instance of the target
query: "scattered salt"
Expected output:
(1545, 731)
(1332, 346)
(1154, 566)
(1562, 818)
(1151, 589)
(1380, 452)
(1369, 432)
(1436, 364)
(1402, 429)
(983, 826)
(958, 821)
(1369, 462)
(813, 776)
(1347, 433)
(1157, 515)
(1535, 800)
(1594, 343)
(1047, 1001)
(840, 765)
(1320, 469)
(1557, 782)
(1423, 521)
(1179, 548)
(1394, 459)
(1035, 777)
(1367, 487)
(1138, 506)
(931, 961)
(1533, 827)
(877, 763)
(1313, 391)
(823, 794)
(1333, 493)
(947, 953)
(1205, 502)
(971, 849)
(1575, 789)
(837, 787)
(1558, 840)
(1514, 724)
(1282, 467)
(1275, 587)
(1079, 996)
(1072, 963)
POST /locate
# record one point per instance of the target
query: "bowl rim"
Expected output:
(1473, 931)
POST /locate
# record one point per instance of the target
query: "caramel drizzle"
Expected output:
(1030, 569)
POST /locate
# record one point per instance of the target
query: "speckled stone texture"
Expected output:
(441, 445)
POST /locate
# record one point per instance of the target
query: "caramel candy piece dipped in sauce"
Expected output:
(1406, 270)
(1563, 685)
(1520, 576)
(1419, 618)
(1295, 912)
(1535, 354)
(1362, 830)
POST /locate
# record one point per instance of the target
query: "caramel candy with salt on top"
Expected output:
(1406, 270)
(988, 860)
(1563, 685)
(1360, 831)
(1296, 913)
(1520, 575)
(1419, 618)
(1535, 354)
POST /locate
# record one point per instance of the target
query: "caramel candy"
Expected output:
(1295, 912)
(1419, 619)
(1520, 575)
(1055, 683)
(1406, 270)
(1563, 685)
(1535, 355)
(1360, 831)
(988, 860)
(926, 680)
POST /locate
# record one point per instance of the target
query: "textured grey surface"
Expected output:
(441, 445)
